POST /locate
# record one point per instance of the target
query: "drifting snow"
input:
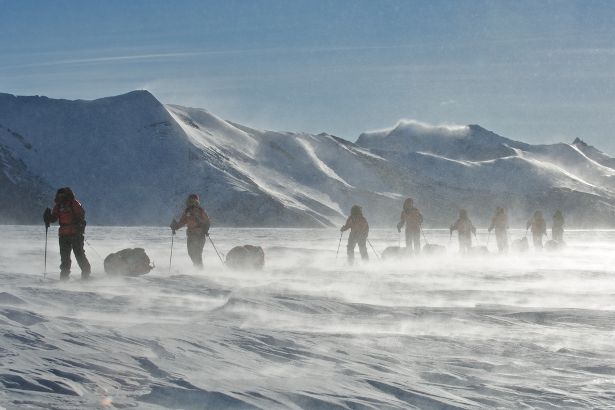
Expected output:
(308, 331)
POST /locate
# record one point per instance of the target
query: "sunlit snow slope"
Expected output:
(132, 160)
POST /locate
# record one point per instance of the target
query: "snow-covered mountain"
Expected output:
(132, 160)
(23, 194)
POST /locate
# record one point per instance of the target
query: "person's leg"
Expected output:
(499, 238)
(408, 241)
(199, 245)
(537, 241)
(363, 248)
(464, 244)
(558, 234)
(77, 244)
(416, 238)
(65, 247)
(195, 250)
(350, 248)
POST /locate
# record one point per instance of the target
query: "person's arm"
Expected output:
(420, 217)
(182, 221)
(79, 213)
(78, 210)
(401, 222)
(492, 225)
(346, 225)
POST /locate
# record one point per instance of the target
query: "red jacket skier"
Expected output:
(71, 216)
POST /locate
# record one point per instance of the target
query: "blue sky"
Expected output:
(539, 71)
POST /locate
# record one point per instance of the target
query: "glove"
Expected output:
(173, 231)
(47, 217)
(489, 230)
(399, 225)
(342, 229)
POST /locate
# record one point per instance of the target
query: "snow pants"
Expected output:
(465, 243)
(73, 243)
(537, 240)
(413, 241)
(558, 234)
(195, 244)
(354, 240)
(501, 238)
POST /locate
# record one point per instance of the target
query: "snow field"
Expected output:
(308, 331)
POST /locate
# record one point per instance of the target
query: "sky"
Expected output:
(537, 71)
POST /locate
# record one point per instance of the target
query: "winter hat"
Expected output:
(193, 199)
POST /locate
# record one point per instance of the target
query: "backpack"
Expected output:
(130, 262)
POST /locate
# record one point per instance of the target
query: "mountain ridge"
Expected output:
(132, 149)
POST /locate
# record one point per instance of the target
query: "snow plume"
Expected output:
(422, 129)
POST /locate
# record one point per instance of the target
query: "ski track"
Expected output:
(308, 332)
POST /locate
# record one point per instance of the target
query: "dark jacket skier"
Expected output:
(557, 231)
(499, 222)
(465, 229)
(71, 216)
(412, 218)
(539, 229)
(197, 223)
(359, 229)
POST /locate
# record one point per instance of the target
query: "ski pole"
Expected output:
(338, 245)
(171, 255)
(45, 271)
(372, 246)
(215, 249)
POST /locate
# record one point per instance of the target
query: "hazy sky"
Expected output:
(539, 71)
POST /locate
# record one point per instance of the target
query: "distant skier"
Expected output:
(500, 224)
(196, 221)
(412, 218)
(557, 231)
(539, 229)
(465, 229)
(359, 229)
(71, 216)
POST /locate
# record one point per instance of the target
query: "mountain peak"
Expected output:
(579, 141)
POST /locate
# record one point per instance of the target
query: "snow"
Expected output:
(532, 330)
(132, 161)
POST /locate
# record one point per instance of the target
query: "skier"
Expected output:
(197, 223)
(500, 224)
(539, 229)
(71, 216)
(465, 229)
(359, 229)
(557, 231)
(412, 218)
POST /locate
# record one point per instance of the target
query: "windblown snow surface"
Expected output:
(521, 331)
